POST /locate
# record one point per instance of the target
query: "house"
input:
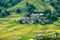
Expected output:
(31, 39)
(39, 17)
(37, 13)
(39, 36)
(42, 20)
(25, 19)
(35, 17)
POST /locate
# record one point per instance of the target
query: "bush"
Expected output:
(47, 11)
(52, 3)
(9, 3)
(27, 4)
(18, 10)
(0, 10)
(53, 18)
(55, 5)
(4, 14)
(30, 7)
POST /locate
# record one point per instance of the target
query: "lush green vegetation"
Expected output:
(13, 10)
(9, 3)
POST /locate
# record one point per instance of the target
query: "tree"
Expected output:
(56, 36)
(52, 3)
(18, 10)
(9, 3)
(27, 4)
(58, 13)
(0, 10)
(53, 18)
(27, 15)
(5, 13)
(58, 0)
(47, 11)
(30, 7)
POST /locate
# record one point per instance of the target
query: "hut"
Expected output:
(38, 37)
(26, 19)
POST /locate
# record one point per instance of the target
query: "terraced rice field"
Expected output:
(11, 30)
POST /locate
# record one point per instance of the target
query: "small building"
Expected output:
(39, 36)
(36, 17)
(31, 39)
(25, 19)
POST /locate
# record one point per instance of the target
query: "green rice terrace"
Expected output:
(29, 19)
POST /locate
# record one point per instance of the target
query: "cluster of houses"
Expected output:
(34, 18)
(49, 37)
(38, 17)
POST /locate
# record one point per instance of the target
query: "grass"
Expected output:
(26, 31)
(8, 26)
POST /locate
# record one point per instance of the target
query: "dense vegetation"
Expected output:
(12, 11)
(9, 3)
(4, 4)
(56, 5)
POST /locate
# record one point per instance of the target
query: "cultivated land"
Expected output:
(9, 29)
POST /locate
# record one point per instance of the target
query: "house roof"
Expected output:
(41, 14)
(38, 11)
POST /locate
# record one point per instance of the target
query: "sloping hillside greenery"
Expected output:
(12, 10)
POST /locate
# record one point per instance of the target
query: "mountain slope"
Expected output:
(37, 4)
(10, 29)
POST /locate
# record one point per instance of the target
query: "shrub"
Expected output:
(9, 3)
(30, 7)
(18, 10)
(4, 14)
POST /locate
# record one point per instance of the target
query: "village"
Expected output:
(37, 18)
(29, 19)
(49, 37)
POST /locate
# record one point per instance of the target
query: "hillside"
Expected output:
(12, 30)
